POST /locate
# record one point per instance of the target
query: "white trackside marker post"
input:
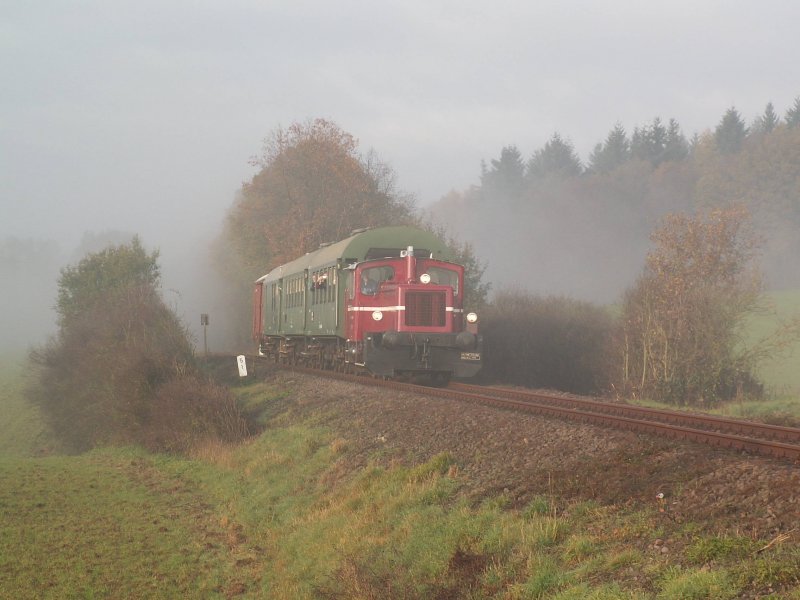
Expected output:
(242, 362)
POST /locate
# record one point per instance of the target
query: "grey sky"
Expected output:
(141, 116)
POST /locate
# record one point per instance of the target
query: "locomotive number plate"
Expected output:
(470, 356)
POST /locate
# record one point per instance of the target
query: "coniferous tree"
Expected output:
(694, 142)
(730, 133)
(649, 142)
(612, 153)
(793, 114)
(766, 122)
(676, 148)
(506, 178)
(557, 159)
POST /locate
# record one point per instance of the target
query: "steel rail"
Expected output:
(692, 420)
(580, 411)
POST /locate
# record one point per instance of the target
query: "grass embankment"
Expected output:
(283, 517)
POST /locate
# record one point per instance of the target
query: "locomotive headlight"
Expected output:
(377, 315)
(472, 317)
(425, 278)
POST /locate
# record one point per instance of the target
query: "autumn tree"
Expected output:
(681, 322)
(313, 186)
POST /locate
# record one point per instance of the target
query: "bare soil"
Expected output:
(520, 455)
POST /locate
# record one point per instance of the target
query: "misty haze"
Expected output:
(400, 300)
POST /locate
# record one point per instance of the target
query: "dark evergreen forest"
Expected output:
(552, 223)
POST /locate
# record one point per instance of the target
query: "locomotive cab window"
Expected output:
(372, 277)
(442, 276)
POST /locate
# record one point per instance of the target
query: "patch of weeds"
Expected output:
(632, 525)
(546, 531)
(703, 550)
(495, 577)
(438, 465)
(499, 502)
(366, 577)
(578, 548)
(622, 560)
(339, 446)
(544, 580)
(608, 591)
(696, 584)
(539, 505)
(440, 490)
(584, 509)
(771, 571)
(311, 445)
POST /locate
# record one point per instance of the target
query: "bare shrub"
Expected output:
(96, 380)
(121, 369)
(552, 342)
(190, 410)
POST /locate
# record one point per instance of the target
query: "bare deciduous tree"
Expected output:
(682, 320)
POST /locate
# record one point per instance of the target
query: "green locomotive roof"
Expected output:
(364, 245)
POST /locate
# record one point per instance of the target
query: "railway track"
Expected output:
(757, 438)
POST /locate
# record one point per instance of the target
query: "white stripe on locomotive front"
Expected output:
(394, 308)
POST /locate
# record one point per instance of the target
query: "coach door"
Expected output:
(321, 318)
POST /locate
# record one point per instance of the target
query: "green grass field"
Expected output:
(781, 374)
(279, 517)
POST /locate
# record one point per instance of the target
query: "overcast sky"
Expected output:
(142, 115)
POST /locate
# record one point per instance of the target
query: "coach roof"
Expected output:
(361, 246)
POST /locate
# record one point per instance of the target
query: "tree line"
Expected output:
(654, 142)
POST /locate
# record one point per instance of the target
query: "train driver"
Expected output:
(368, 286)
